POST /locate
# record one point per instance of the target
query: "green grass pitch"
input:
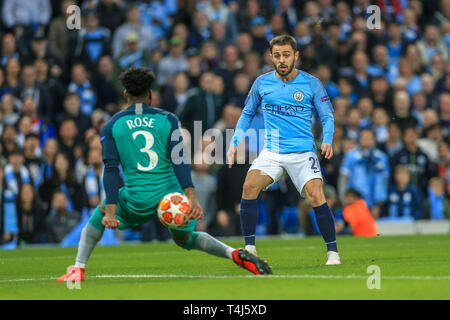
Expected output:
(412, 267)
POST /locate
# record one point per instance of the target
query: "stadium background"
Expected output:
(59, 86)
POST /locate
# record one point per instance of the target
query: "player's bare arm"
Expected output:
(196, 211)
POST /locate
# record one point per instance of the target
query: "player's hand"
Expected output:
(110, 221)
(196, 211)
(230, 155)
(327, 150)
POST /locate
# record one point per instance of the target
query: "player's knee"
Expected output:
(180, 241)
(250, 190)
(315, 197)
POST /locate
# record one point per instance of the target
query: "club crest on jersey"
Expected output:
(299, 96)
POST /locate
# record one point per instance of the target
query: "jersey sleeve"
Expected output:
(111, 175)
(325, 110)
(252, 103)
(182, 169)
(109, 149)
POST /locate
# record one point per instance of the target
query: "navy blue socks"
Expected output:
(249, 219)
(325, 222)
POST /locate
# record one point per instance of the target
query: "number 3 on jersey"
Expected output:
(153, 156)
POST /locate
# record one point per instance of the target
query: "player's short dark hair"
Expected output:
(137, 81)
(283, 40)
(353, 192)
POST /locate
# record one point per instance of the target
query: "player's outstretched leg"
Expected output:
(255, 181)
(206, 243)
(324, 218)
(90, 235)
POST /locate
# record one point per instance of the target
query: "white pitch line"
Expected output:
(287, 276)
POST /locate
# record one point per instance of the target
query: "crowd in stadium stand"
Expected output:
(390, 88)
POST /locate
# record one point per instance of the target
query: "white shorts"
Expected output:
(300, 166)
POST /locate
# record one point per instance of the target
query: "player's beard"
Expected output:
(284, 73)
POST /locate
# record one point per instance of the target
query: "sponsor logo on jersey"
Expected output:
(299, 96)
(288, 110)
(325, 98)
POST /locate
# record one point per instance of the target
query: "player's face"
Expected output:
(283, 58)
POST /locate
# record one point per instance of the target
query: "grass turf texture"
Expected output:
(412, 267)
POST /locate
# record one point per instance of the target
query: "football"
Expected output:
(173, 209)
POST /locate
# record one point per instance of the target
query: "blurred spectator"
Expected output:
(444, 115)
(218, 35)
(176, 95)
(81, 85)
(72, 111)
(174, 62)
(229, 191)
(155, 15)
(67, 135)
(32, 154)
(93, 181)
(58, 37)
(244, 43)
(133, 24)
(206, 185)
(12, 74)
(358, 215)
(415, 160)
(51, 76)
(429, 144)
(194, 69)
(110, 14)
(443, 162)
(244, 17)
(16, 174)
(218, 10)
(92, 41)
(31, 216)
(380, 122)
(353, 126)
(258, 33)
(431, 44)
(394, 143)
(8, 106)
(405, 199)
(63, 179)
(366, 169)
(324, 74)
(9, 144)
(395, 42)
(365, 107)
(29, 86)
(203, 105)
(9, 49)
(230, 66)
(107, 85)
(62, 217)
(402, 110)
(200, 29)
(23, 13)
(209, 56)
(133, 55)
(239, 90)
(437, 206)
(9, 228)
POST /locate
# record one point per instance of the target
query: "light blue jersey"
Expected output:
(288, 108)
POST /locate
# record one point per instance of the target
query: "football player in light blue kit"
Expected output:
(288, 98)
